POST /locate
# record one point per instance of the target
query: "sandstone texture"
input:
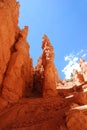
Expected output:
(46, 74)
(78, 78)
(75, 119)
(9, 13)
(16, 70)
(36, 98)
(50, 73)
(38, 77)
(19, 76)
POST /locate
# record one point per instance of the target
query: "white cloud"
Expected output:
(72, 64)
(84, 55)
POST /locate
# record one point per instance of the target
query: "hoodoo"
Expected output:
(35, 98)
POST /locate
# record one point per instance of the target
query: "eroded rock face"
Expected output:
(80, 98)
(83, 66)
(46, 75)
(38, 77)
(81, 76)
(16, 71)
(78, 78)
(8, 30)
(18, 79)
(76, 120)
(50, 73)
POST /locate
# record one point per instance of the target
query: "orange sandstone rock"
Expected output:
(50, 73)
(83, 66)
(8, 29)
(46, 75)
(18, 80)
(38, 77)
(76, 120)
(78, 78)
(80, 98)
(16, 71)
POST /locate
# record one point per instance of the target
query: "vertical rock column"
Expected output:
(49, 80)
(19, 76)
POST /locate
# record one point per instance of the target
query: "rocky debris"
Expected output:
(43, 113)
(67, 84)
(84, 87)
(34, 114)
(80, 98)
(76, 120)
(81, 76)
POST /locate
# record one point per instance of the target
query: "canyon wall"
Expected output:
(16, 69)
(18, 78)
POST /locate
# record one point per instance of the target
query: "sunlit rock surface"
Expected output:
(18, 79)
(16, 70)
(50, 73)
(9, 12)
(36, 98)
(46, 76)
(83, 66)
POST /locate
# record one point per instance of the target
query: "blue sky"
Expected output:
(65, 23)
